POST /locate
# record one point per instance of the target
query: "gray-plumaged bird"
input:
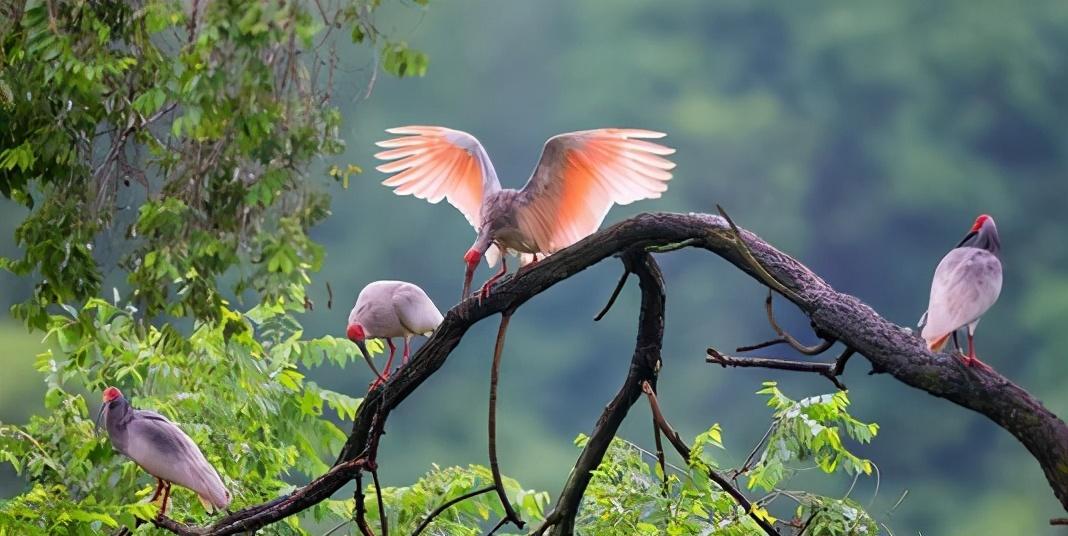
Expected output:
(387, 309)
(163, 450)
(966, 283)
(578, 179)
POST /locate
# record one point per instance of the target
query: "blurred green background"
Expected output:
(861, 137)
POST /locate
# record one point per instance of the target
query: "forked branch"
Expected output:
(888, 347)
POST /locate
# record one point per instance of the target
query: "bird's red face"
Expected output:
(111, 393)
(472, 257)
(979, 222)
(355, 333)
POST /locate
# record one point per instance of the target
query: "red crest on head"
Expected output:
(980, 221)
(355, 332)
(111, 393)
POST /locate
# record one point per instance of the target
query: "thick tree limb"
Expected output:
(890, 348)
(644, 366)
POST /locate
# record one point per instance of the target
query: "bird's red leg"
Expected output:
(389, 363)
(971, 358)
(527, 266)
(406, 350)
(485, 291)
(166, 497)
(159, 487)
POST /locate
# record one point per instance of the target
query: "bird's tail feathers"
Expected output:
(936, 345)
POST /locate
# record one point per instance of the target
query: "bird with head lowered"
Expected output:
(162, 449)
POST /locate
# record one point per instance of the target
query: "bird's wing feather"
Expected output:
(415, 309)
(165, 451)
(966, 283)
(579, 177)
(436, 163)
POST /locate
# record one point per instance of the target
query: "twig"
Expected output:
(761, 272)
(615, 294)
(831, 371)
(752, 454)
(786, 338)
(660, 458)
(510, 513)
(381, 506)
(1059, 521)
(497, 526)
(445, 506)
(684, 451)
(361, 509)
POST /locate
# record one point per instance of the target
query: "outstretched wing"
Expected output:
(166, 452)
(966, 283)
(579, 177)
(436, 163)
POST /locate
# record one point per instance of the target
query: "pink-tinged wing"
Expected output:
(436, 163)
(579, 177)
(966, 283)
(166, 452)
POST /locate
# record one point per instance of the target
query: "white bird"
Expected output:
(966, 284)
(577, 180)
(387, 309)
(163, 450)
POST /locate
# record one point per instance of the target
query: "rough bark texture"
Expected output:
(890, 348)
(644, 366)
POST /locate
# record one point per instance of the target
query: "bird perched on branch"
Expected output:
(966, 283)
(387, 309)
(578, 179)
(162, 449)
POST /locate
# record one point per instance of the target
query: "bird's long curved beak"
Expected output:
(367, 357)
(100, 413)
(967, 237)
(468, 275)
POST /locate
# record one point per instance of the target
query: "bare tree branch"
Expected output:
(510, 514)
(831, 371)
(445, 506)
(644, 366)
(786, 338)
(889, 348)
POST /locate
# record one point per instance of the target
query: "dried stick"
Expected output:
(445, 506)
(831, 371)
(786, 338)
(510, 513)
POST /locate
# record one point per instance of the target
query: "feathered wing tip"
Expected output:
(936, 345)
(582, 174)
(435, 163)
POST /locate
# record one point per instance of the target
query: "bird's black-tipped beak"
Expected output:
(100, 413)
(967, 238)
(367, 357)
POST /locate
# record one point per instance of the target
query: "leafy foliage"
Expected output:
(407, 506)
(215, 113)
(241, 398)
(629, 496)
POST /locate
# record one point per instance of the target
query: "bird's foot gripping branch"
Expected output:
(835, 316)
